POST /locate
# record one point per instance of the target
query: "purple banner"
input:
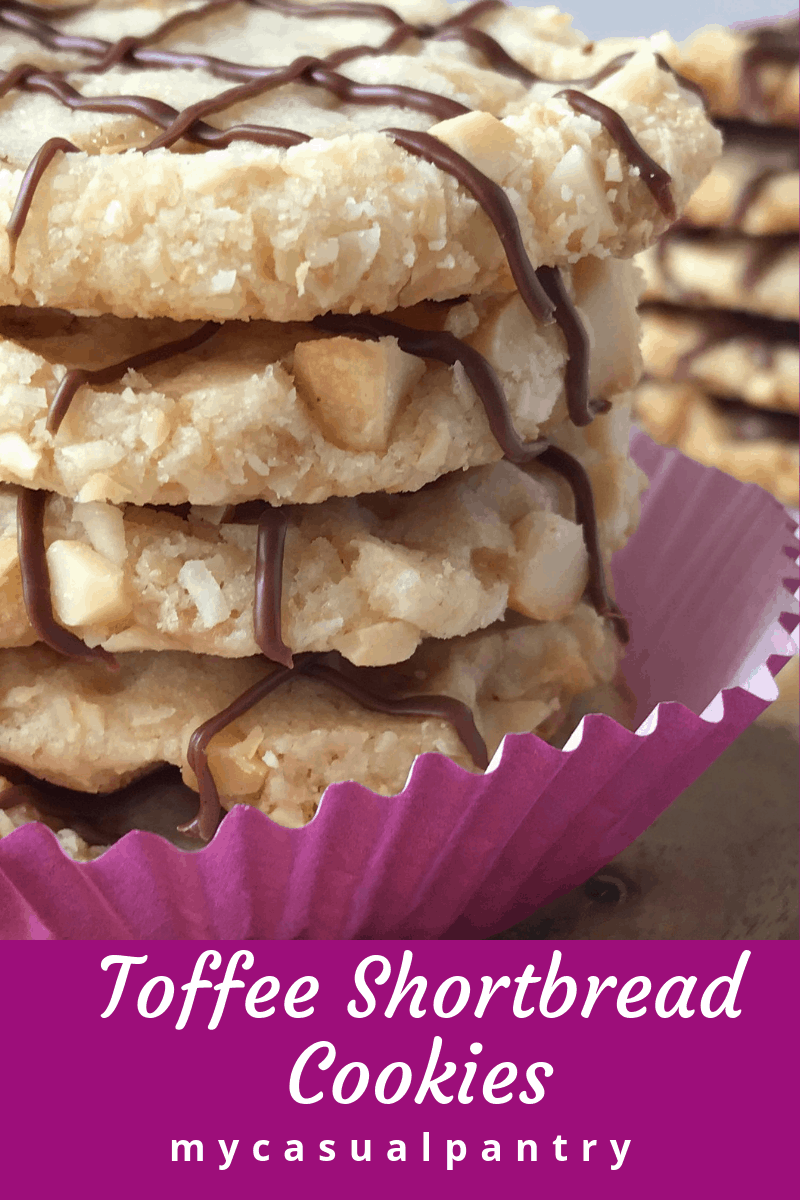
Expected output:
(232, 1069)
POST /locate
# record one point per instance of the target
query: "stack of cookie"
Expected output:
(720, 318)
(317, 349)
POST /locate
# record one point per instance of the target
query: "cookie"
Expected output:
(286, 414)
(369, 577)
(748, 74)
(716, 270)
(752, 444)
(726, 353)
(355, 218)
(755, 186)
(80, 726)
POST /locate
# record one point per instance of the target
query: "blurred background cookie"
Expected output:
(720, 305)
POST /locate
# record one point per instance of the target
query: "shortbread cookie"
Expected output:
(751, 444)
(78, 725)
(352, 220)
(755, 186)
(86, 823)
(727, 353)
(714, 270)
(369, 577)
(749, 74)
(283, 413)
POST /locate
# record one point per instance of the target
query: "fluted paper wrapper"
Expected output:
(708, 582)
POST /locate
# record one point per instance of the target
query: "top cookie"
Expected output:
(219, 225)
(751, 74)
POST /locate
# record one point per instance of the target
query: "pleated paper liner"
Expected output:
(706, 582)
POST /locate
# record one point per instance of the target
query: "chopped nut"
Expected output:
(354, 389)
(17, 457)
(8, 557)
(578, 174)
(205, 591)
(86, 587)
(235, 764)
(552, 567)
(504, 333)
(102, 487)
(380, 644)
(606, 292)
(488, 144)
(106, 529)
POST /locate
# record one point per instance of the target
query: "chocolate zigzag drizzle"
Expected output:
(138, 51)
(317, 72)
(330, 669)
(580, 407)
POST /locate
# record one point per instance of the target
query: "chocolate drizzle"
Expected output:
(30, 181)
(497, 206)
(270, 545)
(576, 379)
(574, 473)
(656, 179)
(36, 581)
(74, 379)
(325, 669)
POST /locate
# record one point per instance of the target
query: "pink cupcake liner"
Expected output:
(706, 582)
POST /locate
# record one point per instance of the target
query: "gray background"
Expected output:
(608, 18)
